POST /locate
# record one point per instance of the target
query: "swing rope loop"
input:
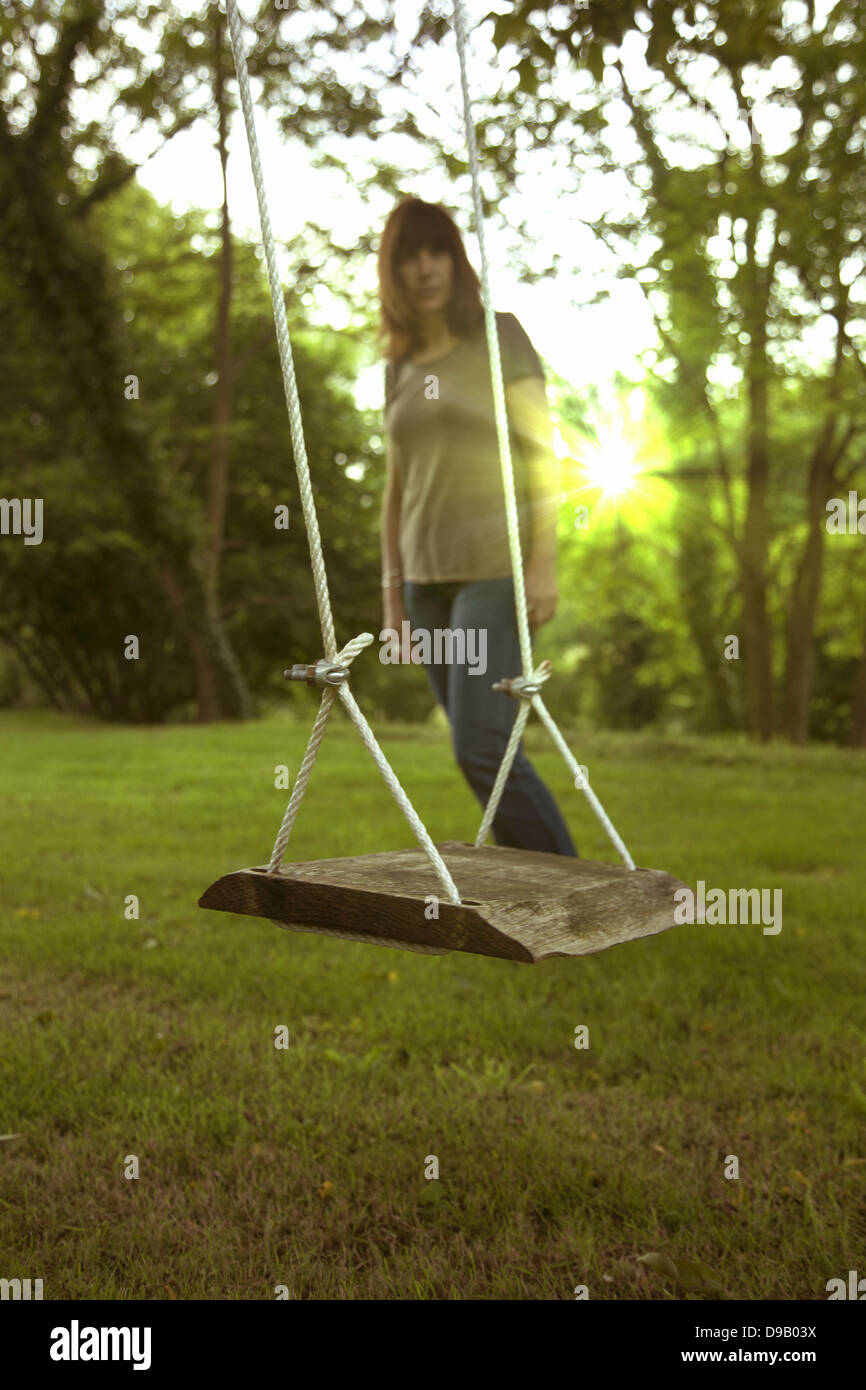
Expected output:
(320, 578)
(501, 413)
(526, 686)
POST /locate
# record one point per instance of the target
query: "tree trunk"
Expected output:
(218, 476)
(219, 465)
(806, 593)
(857, 737)
(759, 659)
(697, 579)
(64, 274)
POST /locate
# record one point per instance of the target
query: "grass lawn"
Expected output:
(305, 1167)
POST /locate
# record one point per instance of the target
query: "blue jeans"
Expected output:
(481, 718)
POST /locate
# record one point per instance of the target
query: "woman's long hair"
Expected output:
(413, 224)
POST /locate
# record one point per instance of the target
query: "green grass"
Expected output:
(305, 1167)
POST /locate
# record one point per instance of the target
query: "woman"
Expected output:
(445, 557)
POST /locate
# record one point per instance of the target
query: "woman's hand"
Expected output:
(542, 593)
(394, 612)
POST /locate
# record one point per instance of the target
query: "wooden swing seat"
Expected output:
(517, 904)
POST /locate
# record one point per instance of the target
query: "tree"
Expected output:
(739, 239)
(63, 274)
(58, 171)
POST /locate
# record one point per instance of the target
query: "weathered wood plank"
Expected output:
(517, 904)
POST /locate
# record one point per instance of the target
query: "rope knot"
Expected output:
(353, 648)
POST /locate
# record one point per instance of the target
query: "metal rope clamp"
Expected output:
(321, 673)
(523, 687)
(518, 687)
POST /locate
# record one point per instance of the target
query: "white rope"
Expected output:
(299, 448)
(344, 658)
(320, 578)
(507, 759)
(399, 795)
(495, 359)
(511, 504)
(581, 780)
(303, 777)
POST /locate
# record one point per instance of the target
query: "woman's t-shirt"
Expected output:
(441, 428)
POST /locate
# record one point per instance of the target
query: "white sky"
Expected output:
(583, 345)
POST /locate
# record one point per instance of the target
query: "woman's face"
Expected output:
(427, 277)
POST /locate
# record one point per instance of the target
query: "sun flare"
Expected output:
(610, 465)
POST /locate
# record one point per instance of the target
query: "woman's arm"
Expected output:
(526, 402)
(392, 597)
(391, 500)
